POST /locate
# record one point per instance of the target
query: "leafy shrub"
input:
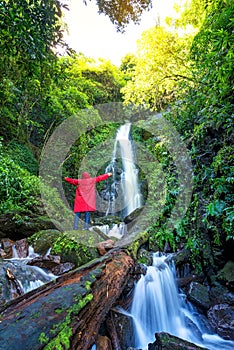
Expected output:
(22, 156)
(19, 190)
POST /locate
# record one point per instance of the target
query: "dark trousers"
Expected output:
(77, 217)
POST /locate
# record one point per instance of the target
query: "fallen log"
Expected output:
(67, 312)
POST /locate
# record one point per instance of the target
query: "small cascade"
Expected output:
(15, 254)
(18, 278)
(116, 230)
(157, 307)
(125, 183)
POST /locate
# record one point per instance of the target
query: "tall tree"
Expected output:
(161, 63)
(122, 12)
(29, 30)
(204, 116)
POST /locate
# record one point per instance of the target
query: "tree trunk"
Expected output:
(66, 313)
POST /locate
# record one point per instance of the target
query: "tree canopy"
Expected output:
(122, 13)
(188, 78)
(161, 63)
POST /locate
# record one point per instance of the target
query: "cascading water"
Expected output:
(26, 277)
(157, 307)
(130, 195)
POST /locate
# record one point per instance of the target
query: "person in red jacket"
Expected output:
(85, 200)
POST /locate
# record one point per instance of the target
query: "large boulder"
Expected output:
(221, 318)
(76, 246)
(199, 295)
(165, 341)
(105, 246)
(226, 275)
(103, 343)
(220, 294)
(21, 225)
(123, 326)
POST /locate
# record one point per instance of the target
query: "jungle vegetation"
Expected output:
(188, 77)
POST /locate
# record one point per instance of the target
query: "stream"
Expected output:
(26, 277)
(158, 306)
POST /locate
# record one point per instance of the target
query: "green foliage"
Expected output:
(127, 66)
(38, 91)
(84, 82)
(22, 156)
(64, 331)
(123, 12)
(54, 205)
(204, 116)
(63, 244)
(19, 190)
(214, 68)
(162, 191)
(29, 31)
(202, 91)
(29, 28)
(78, 83)
(193, 14)
(161, 63)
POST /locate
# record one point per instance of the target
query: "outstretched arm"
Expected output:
(72, 181)
(102, 177)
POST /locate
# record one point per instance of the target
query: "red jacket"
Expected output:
(85, 199)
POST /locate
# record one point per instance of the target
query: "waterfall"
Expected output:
(157, 307)
(129, 194)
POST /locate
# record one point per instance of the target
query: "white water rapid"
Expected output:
(157, 307)
(27, 277)
(129, 184)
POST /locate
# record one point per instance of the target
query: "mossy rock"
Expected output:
(133, 242)
(227, 273)
(144, 257)
(75, 246)
(199, 295)
(43, 240)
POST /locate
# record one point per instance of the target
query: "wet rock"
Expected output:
(103, 247)
(7, 245)
(47, 262)
(132, 216)
(165, 341)
(167, 248)
(221, 318)
(3, 255)
(20, 225)
(123, 325)
(199, 295)
(106, 220)
(27, 276)
(227, 274)
(15, 287)
(62, 268)
(145, 257)
(220, 294)
(21, 247)
(11, 249)
(43, 240)
(76, 246)
(103, 343)
(180, 259)
(139, 269)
